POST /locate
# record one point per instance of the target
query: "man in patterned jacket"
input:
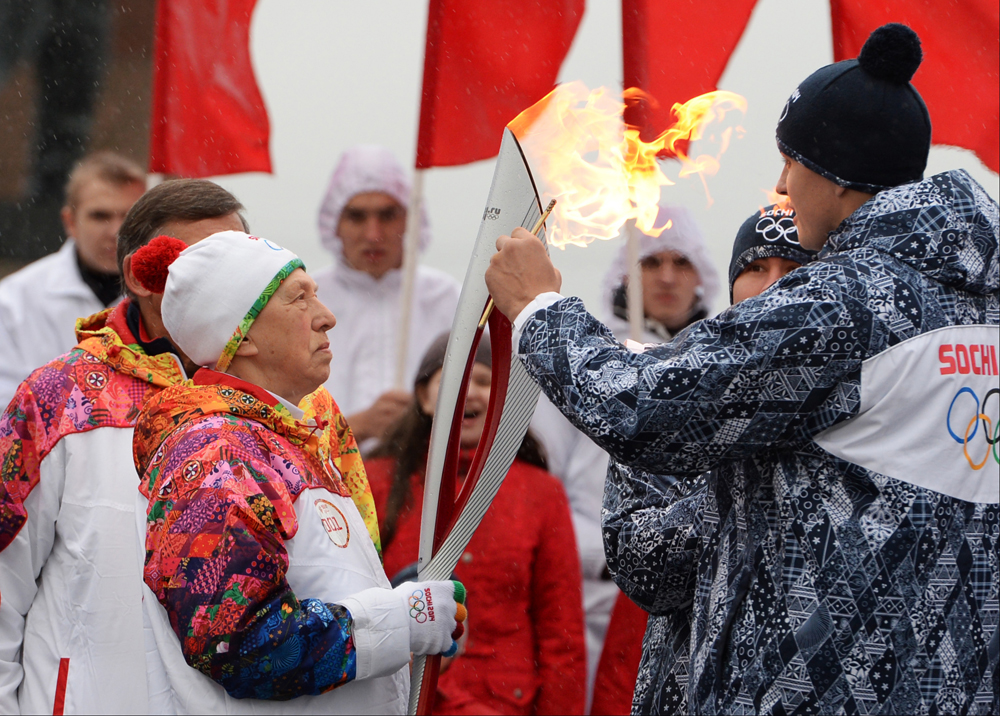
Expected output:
(846, 417)
(70, 576)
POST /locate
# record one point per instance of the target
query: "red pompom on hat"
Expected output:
(152, 261)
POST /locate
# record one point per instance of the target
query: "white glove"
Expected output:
(435, 612)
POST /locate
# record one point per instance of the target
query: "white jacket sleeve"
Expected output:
(20, 565)
(381, 632)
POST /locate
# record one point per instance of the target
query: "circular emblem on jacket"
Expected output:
(334, 522)
(191, 470)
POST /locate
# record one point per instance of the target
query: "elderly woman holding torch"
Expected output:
(265, 590)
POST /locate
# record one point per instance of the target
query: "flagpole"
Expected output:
(634, 290)
(411, 249)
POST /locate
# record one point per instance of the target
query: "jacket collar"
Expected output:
(212, 393)
(68, 281)
(943, 227)
(217, 392)
(106, 336)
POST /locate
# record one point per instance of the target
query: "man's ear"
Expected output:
(68, 220)
(247, 348)
(131, 281)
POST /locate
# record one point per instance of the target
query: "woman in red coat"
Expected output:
(525, 652)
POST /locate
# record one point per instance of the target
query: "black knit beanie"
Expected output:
(860, 123)
(769, 232)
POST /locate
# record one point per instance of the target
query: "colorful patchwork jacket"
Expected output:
(68, 551)
(259, 604)
(844, 555)
(67, 535)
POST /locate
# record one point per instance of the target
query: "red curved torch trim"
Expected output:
(450, 507)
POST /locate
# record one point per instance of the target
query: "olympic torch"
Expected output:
(602, 175)
(448, 522)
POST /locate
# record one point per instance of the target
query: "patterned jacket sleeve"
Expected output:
(29, 506)
(216, 560)
(772, 370)
(654, 530)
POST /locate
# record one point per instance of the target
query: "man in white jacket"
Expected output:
(71, 632)
(361, 222)
(40, 303)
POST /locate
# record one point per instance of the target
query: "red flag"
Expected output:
(208, 115)
(675, 50)
(959, 77)
(484, 63)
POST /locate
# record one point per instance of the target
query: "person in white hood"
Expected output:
(40, 303)
(361, 222)
(679, 283)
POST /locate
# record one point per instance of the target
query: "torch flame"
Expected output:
(779, 200)
(598, 169)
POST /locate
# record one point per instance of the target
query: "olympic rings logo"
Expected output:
(967, 430)
(417, 606)
(267, 243)
(782, 229)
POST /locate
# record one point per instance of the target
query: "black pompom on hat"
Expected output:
(860, 123)
(770, 232)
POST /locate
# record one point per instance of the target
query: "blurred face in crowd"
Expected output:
(758, 276)
(669, 284)
(371, 227)
(286, 350)
(93, 221)
(476, 402)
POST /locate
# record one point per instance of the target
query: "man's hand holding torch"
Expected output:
(519, 271)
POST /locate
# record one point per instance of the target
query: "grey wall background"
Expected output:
(336, 73)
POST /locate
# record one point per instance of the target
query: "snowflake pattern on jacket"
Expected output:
(820, 586)
(658, 522)
(99, 384)
(222, 465)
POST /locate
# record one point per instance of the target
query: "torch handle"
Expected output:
(430, 671)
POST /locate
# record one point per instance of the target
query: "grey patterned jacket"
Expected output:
(842, 554)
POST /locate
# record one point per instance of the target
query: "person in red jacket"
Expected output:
(525, 652)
